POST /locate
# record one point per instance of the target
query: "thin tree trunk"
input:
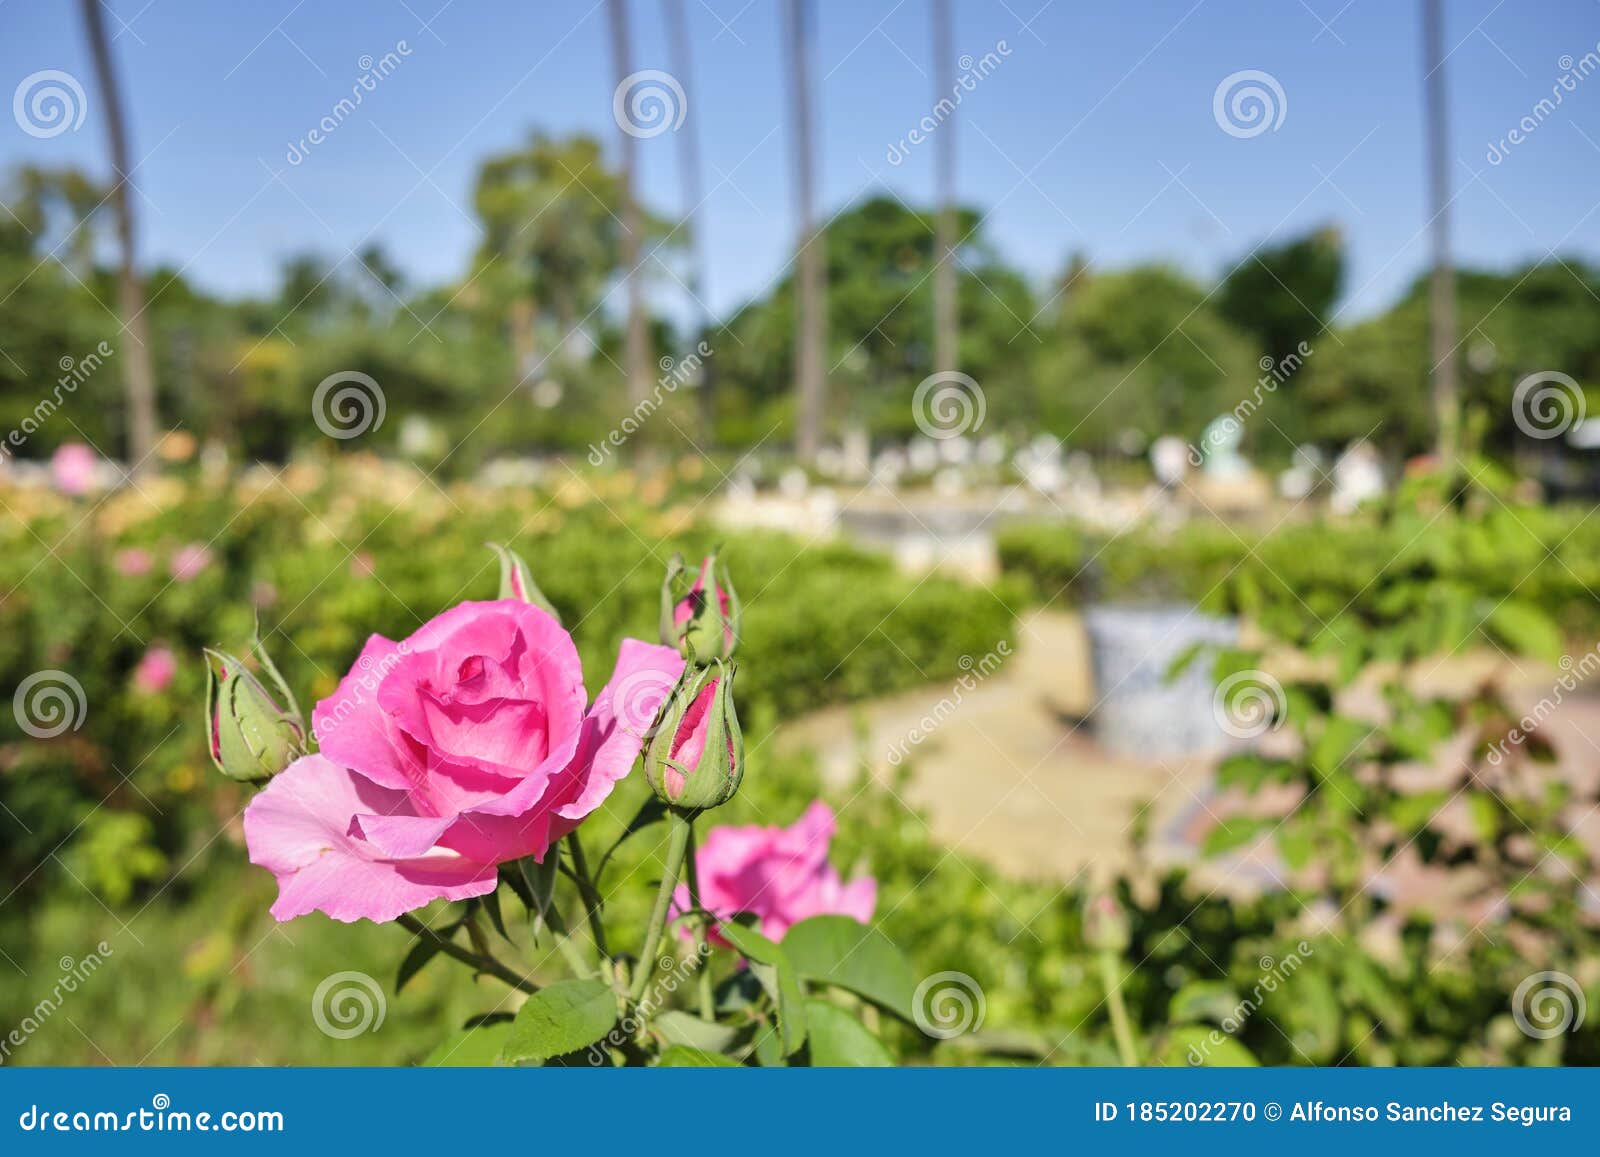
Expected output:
(636, 358)
(137, 375)
(1446, 392)
(946, 319)
(689, 166)
(810, 322)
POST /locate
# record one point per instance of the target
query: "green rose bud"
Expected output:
(516, 581)
(1105, 924)
(702, 621)
(252, 736)
(696, 757)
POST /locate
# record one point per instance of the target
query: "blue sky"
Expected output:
(1095, 133)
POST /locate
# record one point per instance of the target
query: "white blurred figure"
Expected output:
(1357, 477)
(1169, 460)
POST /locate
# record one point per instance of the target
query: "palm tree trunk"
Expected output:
(137, 375)
(636, 357)
(689, 166)
(945, 315)
(810, 323)
(1442, 313)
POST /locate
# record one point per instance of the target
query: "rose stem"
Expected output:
(677, 844)
(702, 952)
(486, 964)
(1119, 1011)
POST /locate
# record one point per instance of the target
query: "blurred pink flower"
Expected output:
(132, 562)
(188, 561)
(780, 874)
(73, 467)
(445, 755)
(155, 671)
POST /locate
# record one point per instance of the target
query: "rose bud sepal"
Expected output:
(251, 735)
(702, 622)
(516, 581)
(696, 756)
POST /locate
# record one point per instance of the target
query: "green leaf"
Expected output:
(844, 952)
(472, 1049)
(1525, 629)
(1235, 831)
(424, 950)
(684, 1057)
(683, 1028)
(1206, 1047)
(1199, 1000)
(838, 1040)
(562, 1018)
(772, 968)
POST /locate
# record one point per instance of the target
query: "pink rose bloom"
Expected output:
(780, 874)
(189, 561)
(463, 747)
(154, 671)
(132, 563)
(73, 467)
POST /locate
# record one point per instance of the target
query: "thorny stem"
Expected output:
(483, 963)
(677, 845)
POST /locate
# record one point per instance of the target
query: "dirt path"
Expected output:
(1008, 773)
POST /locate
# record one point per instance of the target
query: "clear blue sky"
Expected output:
(1096, 133)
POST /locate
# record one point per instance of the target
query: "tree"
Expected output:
(637, 357)
(1285, 294)
(810, 318)
(1442, 311)
(138, 378)
(946, 344)
(689, 172)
